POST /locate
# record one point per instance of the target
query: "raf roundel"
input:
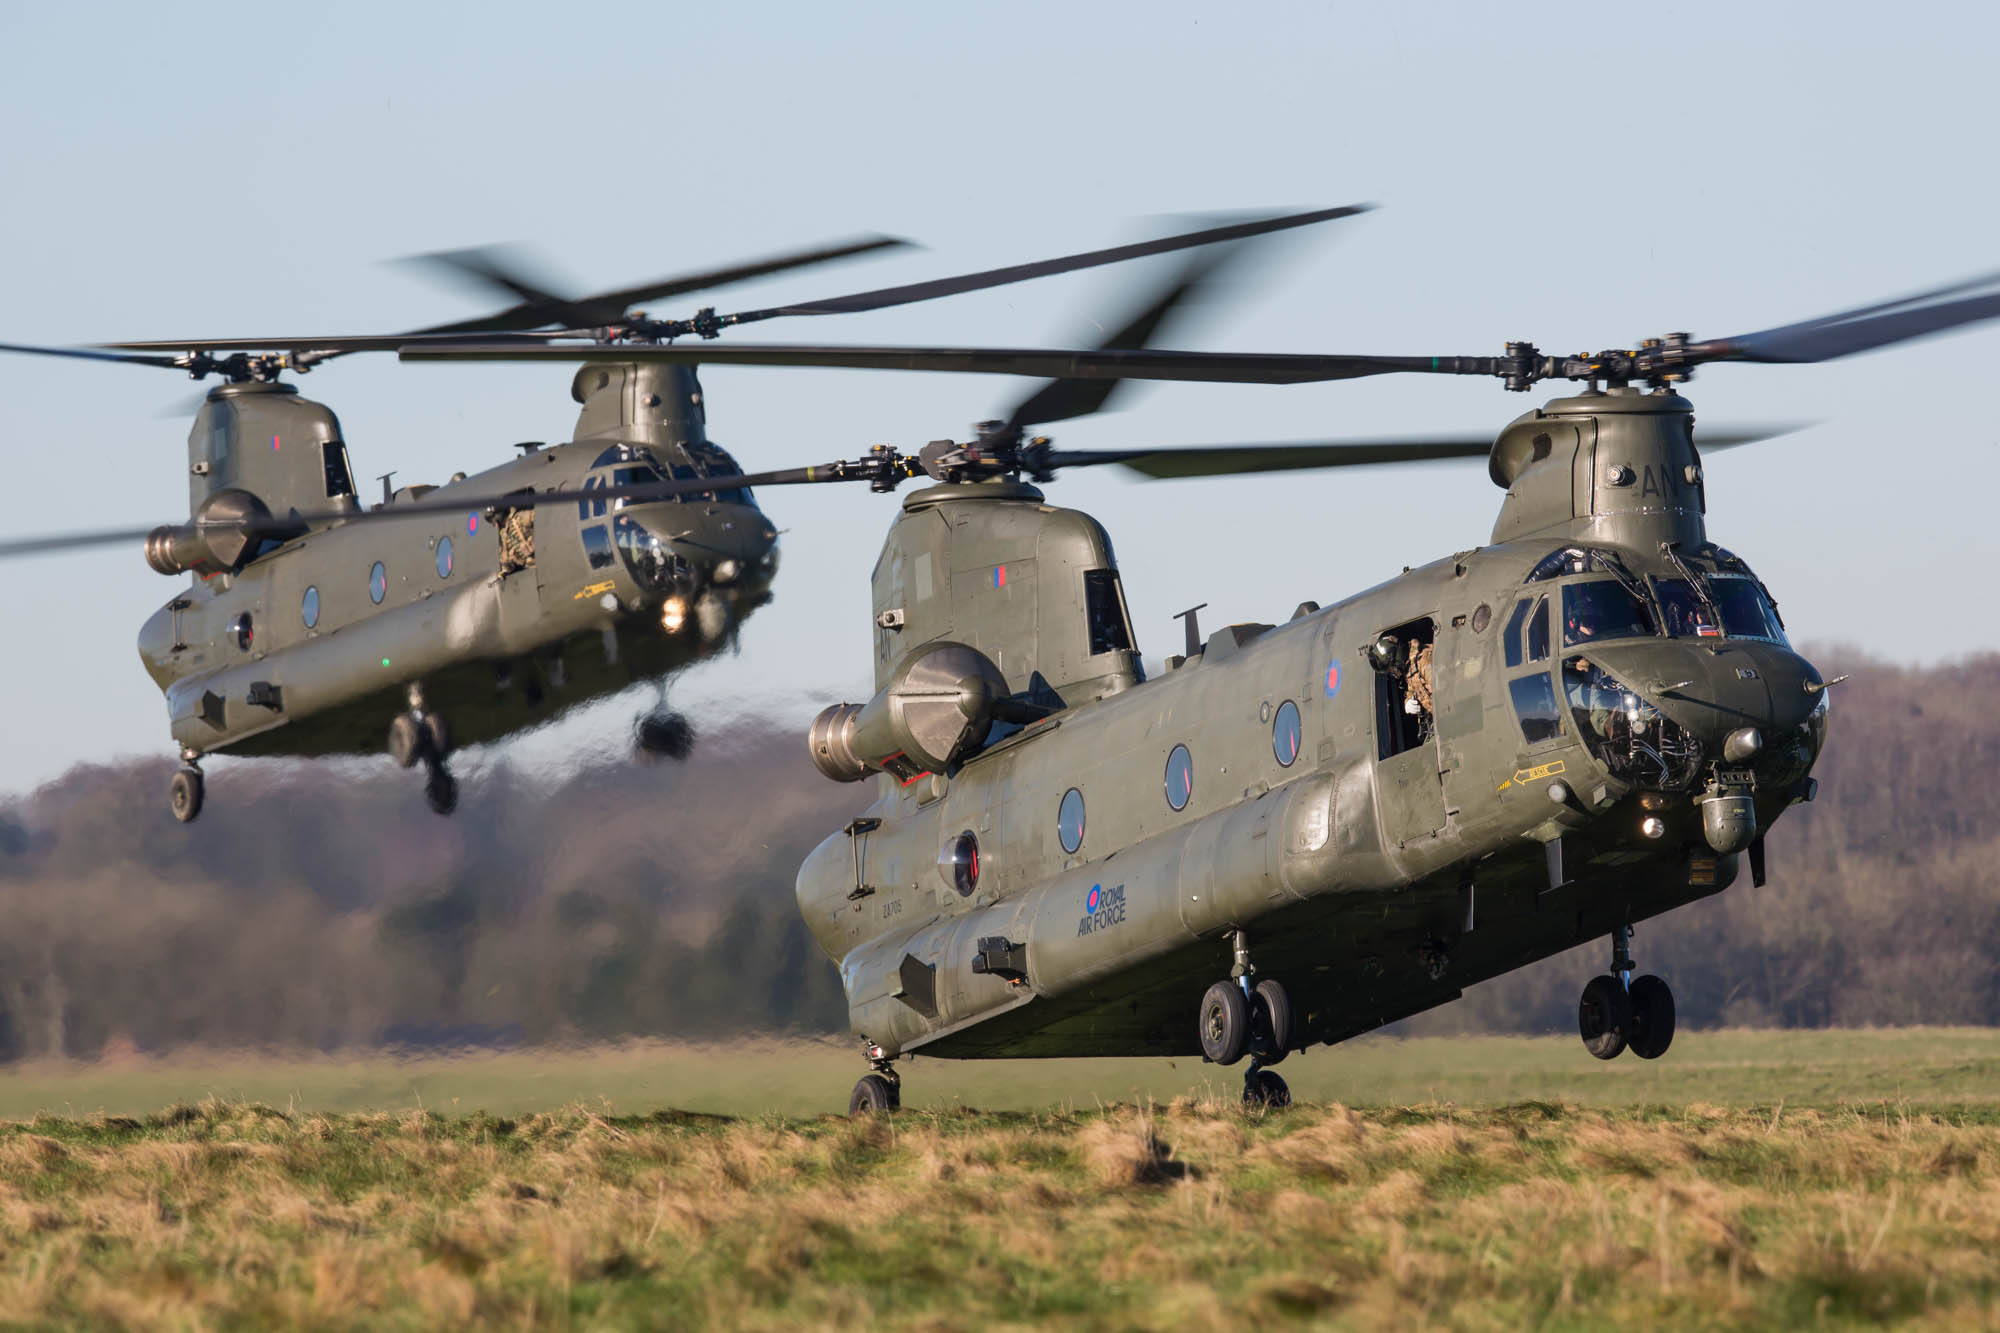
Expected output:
(1332, 679)
(1092, 899)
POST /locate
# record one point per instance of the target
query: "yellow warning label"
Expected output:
(1524, 776)
(594, 590)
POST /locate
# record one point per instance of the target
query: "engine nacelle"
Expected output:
(229, 524)
(937, 707)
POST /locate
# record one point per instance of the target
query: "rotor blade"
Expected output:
(90, 354)
(1065, 400)
(1237, 459)
(998, 277)
(1143, 364)
(1859, 330)
(330, 343)
(71, 541)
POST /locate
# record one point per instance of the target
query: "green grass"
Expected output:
(1944, 1067)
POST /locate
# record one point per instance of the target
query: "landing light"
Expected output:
(1653, 826)
(673, 614)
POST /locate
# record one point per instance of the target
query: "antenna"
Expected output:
(388, 491)
(1192, 624)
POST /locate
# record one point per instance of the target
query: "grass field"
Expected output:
(1748, 1180)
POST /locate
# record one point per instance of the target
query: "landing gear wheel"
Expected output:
(669, 735)
(185, 794)
(406, 740)
(1224, 1023)
(1652, 1017)
(441, 790)
(874, 1095)
(1270, 1022)
(1604, 1017)
(1261, 1087)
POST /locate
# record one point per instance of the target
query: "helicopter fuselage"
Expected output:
(1376, 881)
(310, 648)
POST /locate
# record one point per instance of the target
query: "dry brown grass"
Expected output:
(1191, 1215)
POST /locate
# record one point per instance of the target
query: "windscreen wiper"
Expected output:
(1698, 581)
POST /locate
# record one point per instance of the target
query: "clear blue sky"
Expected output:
(1622, 172)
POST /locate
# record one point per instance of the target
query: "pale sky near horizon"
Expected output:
(1580, 183)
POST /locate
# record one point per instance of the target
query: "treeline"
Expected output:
(322, 906)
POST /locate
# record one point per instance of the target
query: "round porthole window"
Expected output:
(1180, 777)
(444, 557)
(378, 583)
(1285, 733)
(959, 862)
(241, 632)
(309, 607)
(1069, 820)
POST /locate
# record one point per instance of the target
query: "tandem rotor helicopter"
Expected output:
(456, 614)
(1302, 831)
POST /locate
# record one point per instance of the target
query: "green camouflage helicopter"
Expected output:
(1300, 832)
(467, 612)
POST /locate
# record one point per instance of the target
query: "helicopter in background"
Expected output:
(464, 613)
(1301, 831)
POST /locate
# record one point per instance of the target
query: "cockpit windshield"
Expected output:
(1746, 612)
(1604, 609)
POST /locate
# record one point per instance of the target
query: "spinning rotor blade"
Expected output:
(72, 541)
(1242, 459)
(1142, 364)
(1000, 277)
(883, 469)
(495, 267)
(511, 329)
(1065, 400)
(1862, 329)
(91, 354)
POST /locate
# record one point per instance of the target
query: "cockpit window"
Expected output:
(1746, 612)
(714, 461)
(1603, 609)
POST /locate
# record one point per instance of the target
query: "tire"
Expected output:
(1271, 1021)
(406, 740)
(874, 1095)
(437, 737)
(1266, 1089)
(1224, 1023)
(185, 795)
(441, 790)
(1604, 1017)
(1652, 1018)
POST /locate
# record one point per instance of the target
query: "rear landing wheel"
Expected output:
(1604, 1017)
(874, 1095)
(1652, 1017)
(1270, 1022)
(185, 794)
(1224, 1023)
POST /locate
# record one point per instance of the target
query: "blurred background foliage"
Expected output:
(323, 907)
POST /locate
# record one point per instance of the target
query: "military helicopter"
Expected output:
(463, 613)
(1302, 831)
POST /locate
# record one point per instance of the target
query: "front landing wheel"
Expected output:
(874, 1095)
(1604, 1017)
(1225, 1023)
(1652, 1017)
(185, 794)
